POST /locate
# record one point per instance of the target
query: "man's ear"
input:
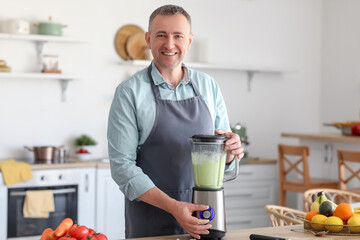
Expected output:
(147, 39)
(190, 40)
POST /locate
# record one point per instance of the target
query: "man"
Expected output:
(152, 116)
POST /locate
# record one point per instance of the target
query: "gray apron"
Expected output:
(166, 158)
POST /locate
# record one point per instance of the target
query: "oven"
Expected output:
(64, 185)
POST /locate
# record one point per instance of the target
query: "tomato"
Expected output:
(91, 231)
(67, 237)
(79, 232)
(100, 236)
(90, 237)
(355, 130)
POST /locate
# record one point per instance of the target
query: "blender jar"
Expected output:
(208, 160)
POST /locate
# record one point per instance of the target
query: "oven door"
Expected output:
(65, 201)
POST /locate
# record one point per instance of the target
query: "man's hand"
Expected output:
(194, 226)
(232, 145)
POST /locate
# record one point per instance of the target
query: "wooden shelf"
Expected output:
(250, 70)
(325, 137)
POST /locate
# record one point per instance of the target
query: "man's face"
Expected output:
(169, 40)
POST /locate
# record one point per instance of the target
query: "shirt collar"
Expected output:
(159, 79)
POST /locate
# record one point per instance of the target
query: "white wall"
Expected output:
(281, 33)
(340, 98)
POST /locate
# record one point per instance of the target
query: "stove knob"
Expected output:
(207, 214)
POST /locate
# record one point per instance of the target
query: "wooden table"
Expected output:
(283, 232)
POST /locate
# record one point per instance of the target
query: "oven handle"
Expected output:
(56, 191)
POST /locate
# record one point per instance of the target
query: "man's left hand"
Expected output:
(232, 145)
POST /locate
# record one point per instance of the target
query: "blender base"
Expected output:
(213, 235)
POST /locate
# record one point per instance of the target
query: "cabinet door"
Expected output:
(247, 195)
(110, 218)
(86, 195)
(3, 209)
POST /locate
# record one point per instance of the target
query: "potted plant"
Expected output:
(84, 145)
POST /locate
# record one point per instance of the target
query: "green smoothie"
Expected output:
(208, 169)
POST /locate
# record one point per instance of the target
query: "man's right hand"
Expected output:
(183, 213)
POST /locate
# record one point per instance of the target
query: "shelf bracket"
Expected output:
(64, 84)
(250, 75)
(39, 50)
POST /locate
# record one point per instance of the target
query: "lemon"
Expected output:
(317, 221)
(354, 220)
(336, 221)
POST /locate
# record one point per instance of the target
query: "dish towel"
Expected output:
(38, 203)
(14, 172)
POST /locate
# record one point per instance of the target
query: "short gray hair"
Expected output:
(168, 10)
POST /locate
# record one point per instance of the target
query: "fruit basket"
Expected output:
(350, 230)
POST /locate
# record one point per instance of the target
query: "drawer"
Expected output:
(244, 196)
(242, 221)
(257, 172)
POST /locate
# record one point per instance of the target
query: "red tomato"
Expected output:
(67, 237)
(356, 129)
(79, 232)
(90, 237)
(91, 231)
(100, 236)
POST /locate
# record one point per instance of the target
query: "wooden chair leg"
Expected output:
(282, 197)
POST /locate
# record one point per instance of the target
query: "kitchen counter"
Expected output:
(104, 163)
(282, 232)
(328, 137)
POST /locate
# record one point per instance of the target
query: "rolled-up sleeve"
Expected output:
(123, 143)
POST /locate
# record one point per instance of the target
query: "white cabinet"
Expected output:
(86, 197)
(110, 218)
(247, 195)
(3, 209)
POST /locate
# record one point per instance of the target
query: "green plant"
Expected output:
(84, 140)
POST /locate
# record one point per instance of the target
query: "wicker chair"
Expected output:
(335, 195)
(283, 216)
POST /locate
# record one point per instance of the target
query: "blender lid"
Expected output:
(209, 138)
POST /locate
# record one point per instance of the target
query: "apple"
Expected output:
(355, 129)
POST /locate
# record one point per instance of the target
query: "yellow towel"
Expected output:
(38, 203)
(14, 172)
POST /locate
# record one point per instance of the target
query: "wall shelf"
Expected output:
(40, 41)
(250, 70)
(62, 78)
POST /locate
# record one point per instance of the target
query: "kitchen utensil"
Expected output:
(44, 154)
(16, 26)
(122, 36)
(136, 47)
(316, 234)
(208, 159)
(50, 28)
(263, 237)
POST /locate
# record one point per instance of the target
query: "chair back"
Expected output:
(335, 195)
(283, 216)
(347, 172)
(300, 165)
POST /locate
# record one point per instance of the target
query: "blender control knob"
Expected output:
(207, 214)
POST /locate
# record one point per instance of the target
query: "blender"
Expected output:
(208, 160)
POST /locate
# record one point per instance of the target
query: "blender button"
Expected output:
(206, 214)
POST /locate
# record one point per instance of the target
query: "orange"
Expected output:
(344, 211)
(310, 214)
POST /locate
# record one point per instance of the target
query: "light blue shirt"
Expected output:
(132, 116)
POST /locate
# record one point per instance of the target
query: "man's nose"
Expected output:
(169, 43)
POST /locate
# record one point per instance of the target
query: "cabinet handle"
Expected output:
(245, 195)
(245, 173)
(55, 191)
(86, 183)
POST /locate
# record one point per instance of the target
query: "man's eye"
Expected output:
(179, 36)
(161, 35)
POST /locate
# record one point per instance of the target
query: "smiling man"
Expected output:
(152, 116)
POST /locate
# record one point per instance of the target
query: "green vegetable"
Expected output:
(84, 140)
